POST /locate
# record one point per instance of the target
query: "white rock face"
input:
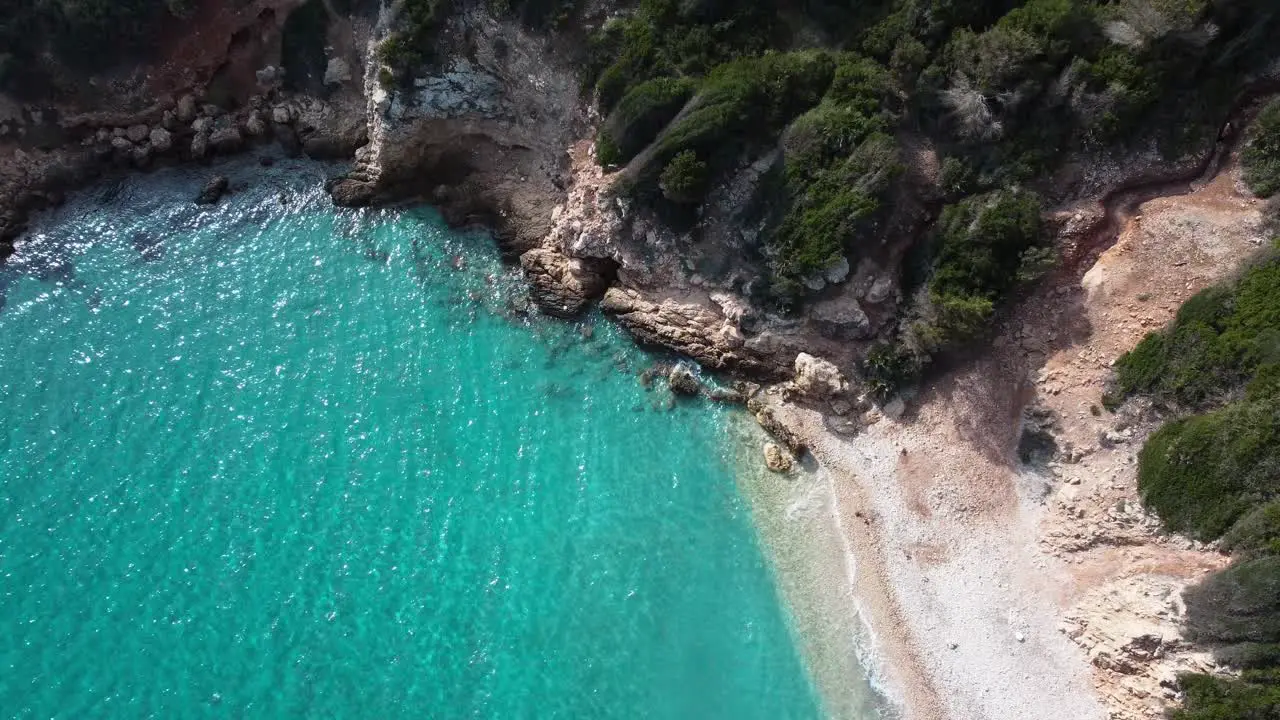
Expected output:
(818, 378)
(337, 72)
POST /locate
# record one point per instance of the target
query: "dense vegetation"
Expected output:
(1220, 340)
(1003, 89)
(86, 34)
(1261, 157)
(411, 44)
(1216, 474)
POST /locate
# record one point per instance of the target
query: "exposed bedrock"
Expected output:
(482, 137)
(693, 329)
(214, 87)
(564, 286)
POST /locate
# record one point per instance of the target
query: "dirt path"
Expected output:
(1119, 205)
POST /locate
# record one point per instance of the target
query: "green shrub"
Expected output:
(982, 243)
(1261, 157)
(1265, 384)
(1202, 473)
(741, 103)
(888, 367)
(1219, 339)
(1256, 533)
(1248, 655)
(667, 38)
(1237, 605)
(684, 179)
(411, 44)
(832, 210)
(640, 116)
(1209, 697)
(960, 317)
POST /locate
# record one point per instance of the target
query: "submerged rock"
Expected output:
(776, 459)
(213, 190)
(682, 380)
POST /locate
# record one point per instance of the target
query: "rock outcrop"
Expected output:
(693, 330)
(682, 381)
(769, 419)
(213, 190)
(483, 139)
(199, 98)
(776, 459)
(817, 378)
(841, 319)
(564, 286)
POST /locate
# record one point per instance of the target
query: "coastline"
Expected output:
(1000, 589)
(800, 519)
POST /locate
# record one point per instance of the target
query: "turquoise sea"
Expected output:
(271, 459)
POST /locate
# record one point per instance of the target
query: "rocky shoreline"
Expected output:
(499, 137)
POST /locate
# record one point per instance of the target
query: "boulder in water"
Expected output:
(776, 459)
(682, 381)
(213, 190)
(564, 286)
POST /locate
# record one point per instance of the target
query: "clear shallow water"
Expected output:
(270, 459)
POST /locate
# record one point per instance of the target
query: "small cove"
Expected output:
(275, 459)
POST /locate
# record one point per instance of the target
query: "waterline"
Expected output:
(273, 459)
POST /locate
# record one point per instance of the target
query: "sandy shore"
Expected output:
(798, 520)
(997, 590)
(951, 582)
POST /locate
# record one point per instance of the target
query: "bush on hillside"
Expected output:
(981, 244)
(741, 103)
(1255, 696)
(684, 179)
(667, 38)
(411, 45)
(1261, 157)
(1237, 605)
(832, 211)
(1218, 340)
(1248, 656)
(1202, 473)
(1256, 533)
(640, 116)
(888, 367)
